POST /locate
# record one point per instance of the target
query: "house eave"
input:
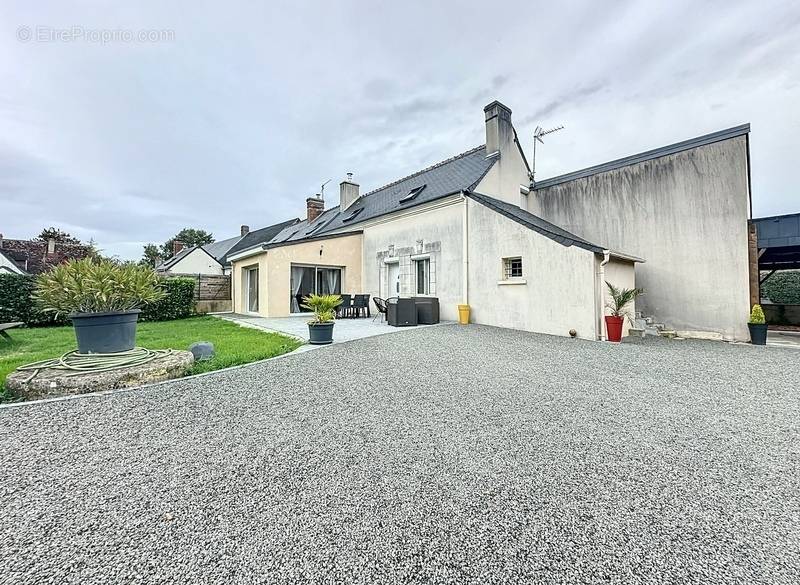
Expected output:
(626, 257)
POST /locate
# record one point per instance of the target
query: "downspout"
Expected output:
(465, 254)
(601, 273)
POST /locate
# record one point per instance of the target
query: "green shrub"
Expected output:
(16, 302)
(783, 288)
(91, 286)
(757, 315)
(324, 307)
(620, 299)
(177, 302)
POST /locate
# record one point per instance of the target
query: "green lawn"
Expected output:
(234, 345)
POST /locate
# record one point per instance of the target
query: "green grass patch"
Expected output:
(234, 345)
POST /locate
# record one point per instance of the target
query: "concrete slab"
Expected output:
(784, 338)
(297, 326)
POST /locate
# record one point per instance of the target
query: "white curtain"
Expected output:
(297, 281)
(333, 280)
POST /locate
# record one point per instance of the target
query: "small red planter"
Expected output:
(614, 328)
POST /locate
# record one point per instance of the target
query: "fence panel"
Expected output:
(210, 287)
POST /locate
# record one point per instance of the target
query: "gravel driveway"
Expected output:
(443, 455)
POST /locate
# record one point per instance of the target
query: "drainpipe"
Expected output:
(601, 292)
(465, 254)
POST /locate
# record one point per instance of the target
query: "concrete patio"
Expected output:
(782, 338)
(297, 326)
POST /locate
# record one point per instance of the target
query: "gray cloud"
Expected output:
(250, 107)
(571, 98)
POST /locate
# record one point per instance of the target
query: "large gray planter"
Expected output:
(320, 333)
(110, 332)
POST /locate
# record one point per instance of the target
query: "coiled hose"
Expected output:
(79, 363)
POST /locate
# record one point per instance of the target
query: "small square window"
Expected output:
(512, 267)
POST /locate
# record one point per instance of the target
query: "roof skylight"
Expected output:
(413, 193)
(353, 215)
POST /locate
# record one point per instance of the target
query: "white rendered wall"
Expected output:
(558, 294)
(196, 262)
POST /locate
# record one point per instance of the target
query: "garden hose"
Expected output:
(79, 363)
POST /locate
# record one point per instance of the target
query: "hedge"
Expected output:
(16, 302)
(783, 288)
(177, 304)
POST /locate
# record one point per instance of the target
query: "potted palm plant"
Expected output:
(102, 298)
(758, 326)
(320, 328)
(620, 299)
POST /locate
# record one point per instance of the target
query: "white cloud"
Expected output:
(249, 109)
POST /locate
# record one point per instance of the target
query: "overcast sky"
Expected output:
(236, 113)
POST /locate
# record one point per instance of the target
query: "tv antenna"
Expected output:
(537, 137)
(322, 189)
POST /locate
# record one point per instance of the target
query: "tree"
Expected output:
(53, 233)
(190, 237)
(151, 255)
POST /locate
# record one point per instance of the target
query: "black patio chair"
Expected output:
(361, 306)
(380, 305)
(344, 309)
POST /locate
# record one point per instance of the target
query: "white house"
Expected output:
(8, 266)
(475, 230)
(212, 259)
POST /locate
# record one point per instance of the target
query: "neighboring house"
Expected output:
(8, 266)
(38, 256)
(475, 230)
(212, 259)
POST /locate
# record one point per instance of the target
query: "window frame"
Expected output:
(509, 268)
(426, 263)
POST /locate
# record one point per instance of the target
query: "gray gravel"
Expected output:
(443, 455)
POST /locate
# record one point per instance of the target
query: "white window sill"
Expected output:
(512, 281)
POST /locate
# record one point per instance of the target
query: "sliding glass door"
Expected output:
(306, 280)
(252, 290)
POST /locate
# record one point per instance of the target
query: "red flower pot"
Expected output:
(614, 328)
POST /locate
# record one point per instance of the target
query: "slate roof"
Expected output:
(459, 173)
(534, 222)
(255, 238)
(220, 248)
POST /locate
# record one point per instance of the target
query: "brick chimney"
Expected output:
(244, 230)
(348, 192)
(177, 246)
(314, 207)
(499, 131)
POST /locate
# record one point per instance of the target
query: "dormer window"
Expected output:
(413, 193)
